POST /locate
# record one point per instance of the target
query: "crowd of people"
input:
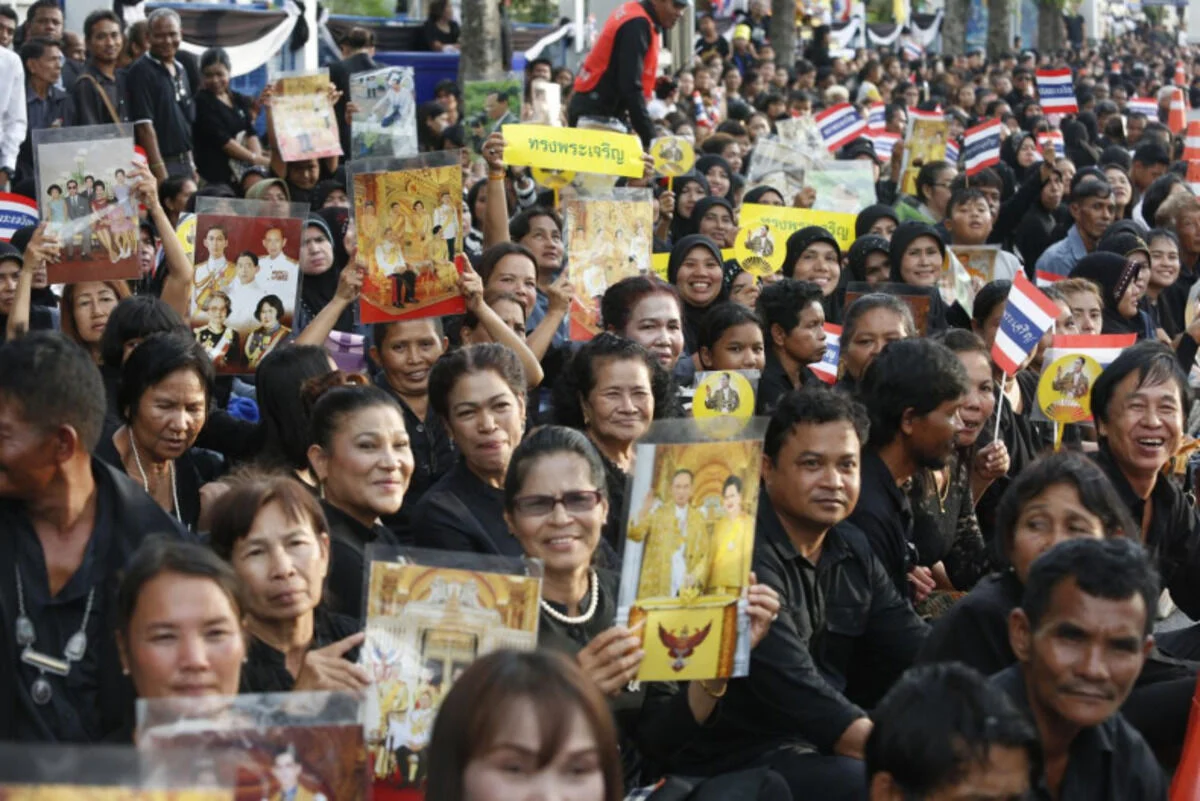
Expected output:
(941, 605)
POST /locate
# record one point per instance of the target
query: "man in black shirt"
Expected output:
(912, 390)
(70, 523)
(843, 634)
(100, 89)
(1081, 636)
(793, 323)
(358, 55)
(944, 732)
(162, 100)
(1139, 402)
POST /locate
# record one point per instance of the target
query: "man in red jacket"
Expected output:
(610, 92)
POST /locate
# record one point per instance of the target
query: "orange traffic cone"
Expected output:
(1177, 117)
(1191, 146)
(1186, 785)
(1180, 75)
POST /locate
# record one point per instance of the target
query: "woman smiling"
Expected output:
(695, 270)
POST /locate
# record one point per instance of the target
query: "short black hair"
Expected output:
(781, 303)
(813, 405)
(916, 374)
(1153, 362)
(1096, 493)
(161, 554)
(8, 11)
(56, 383)
(720, 318)
(492, 256)
(155, 358)
(579, 378)
(1113, 569)
(275, 303)
(546, 441)
(37, 47)
(136, 317)
(963, 196)
(927, 176)
(95, 18)
(940, 720)
(1151, 154)
(519, 226)
(990, 295)
(452, 366)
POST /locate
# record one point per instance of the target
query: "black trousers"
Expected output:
(816, 777)
(405, 287)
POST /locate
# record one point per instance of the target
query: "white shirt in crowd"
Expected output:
(445, 217)
(279, 275)
(13, 122)
(244, 298)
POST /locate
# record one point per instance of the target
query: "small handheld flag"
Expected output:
(1143, 105)
(16, 212)
(911, 50)
(952, 151)
(876, 117)
(1056, 92)
(1028, 315)
(1044, 278)
(981, 146)
(1056, 138)
(885, 144)
(827, 368)
(840, 125)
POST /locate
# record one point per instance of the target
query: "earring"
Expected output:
(124, 671)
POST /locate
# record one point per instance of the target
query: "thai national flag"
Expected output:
(16, 212)
(982, 146)
(1046, 278)
(1057, 138)
(952, 151)
(912, 51)
(840, 125)
(1143, 105)
(1028, 315)
(827, 368)
(876, 117)
(1056, 92)
(885, 143)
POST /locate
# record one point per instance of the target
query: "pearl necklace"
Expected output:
(137, 459)
(594, 586)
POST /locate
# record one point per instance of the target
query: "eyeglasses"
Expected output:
(577, 502)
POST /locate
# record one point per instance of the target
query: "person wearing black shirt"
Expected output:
(440, 31)
(793, 322)
(224, 127)
(709, 42)
(912, 391)
(162, 100)
(358, 51)
(1081, 636)
(71, 523)
(843, 634)
(100, 89)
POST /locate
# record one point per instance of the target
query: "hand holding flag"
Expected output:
(1028, 315)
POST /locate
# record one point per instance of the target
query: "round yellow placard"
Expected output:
(1064, 392)
(673, 155)
(186, 234)
(724, 402)
(760, 248)
(552, 179)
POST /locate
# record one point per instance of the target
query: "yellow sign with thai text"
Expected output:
(762, 241)
(576, 149)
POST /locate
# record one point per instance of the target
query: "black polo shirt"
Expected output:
(885, 515)
(1173, 536)
(462, 513)
(165, 101)
(843, 636)
(90, 108)
(265, 670)
(1109, 762)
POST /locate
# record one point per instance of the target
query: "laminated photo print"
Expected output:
(843, 186)
(689, 545)
(430, 614)
(303, 118)
(917, 298)
(385, 124)
(97, 772)
(545, 103)
(85, 196)
(409, 222)
(609, 237)
(490, 104)
(247, 263)
(290, 746)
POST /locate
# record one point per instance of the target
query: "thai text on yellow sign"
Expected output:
(762, 241)
(576, 149)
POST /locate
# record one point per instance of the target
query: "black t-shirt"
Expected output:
(706, 50)
(166, 101)
(431, 33)
(216, 125)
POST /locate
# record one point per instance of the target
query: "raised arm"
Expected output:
(495, 216)
(42, 249)
(181, 274)
(470, 285)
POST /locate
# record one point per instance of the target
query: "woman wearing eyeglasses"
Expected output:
(555, 502)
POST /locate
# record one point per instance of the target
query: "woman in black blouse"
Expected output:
(271, 529)
(362, 461)
(224, 127)
(556, 467)
(440, 31)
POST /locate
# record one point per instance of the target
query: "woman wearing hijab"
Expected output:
(719, 175)
(869, 260)
(1078, 144)
(917, 254)
(695, 269)
(689, 189)
(714, 218)
(764, 196)
(878, 219)
(814, 255)
(323, 256)
(1122, 283)
(1019, 152)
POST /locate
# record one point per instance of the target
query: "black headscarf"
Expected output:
(864, 246)
(755, 195)
(693, 316)
(682, 226)
(707, 162)
(702, 207)
(317, 290)
(1078, 146)
(799, 242)
(1008, 154)
(904, 236)
(871, 215)
(1113, 273)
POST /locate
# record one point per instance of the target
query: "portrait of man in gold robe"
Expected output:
(676, 542)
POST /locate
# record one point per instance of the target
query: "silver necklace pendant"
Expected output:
(25, 632)
(41, 691)
(76, 646)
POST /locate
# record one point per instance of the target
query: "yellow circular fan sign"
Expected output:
(186, 234)
(723, 403)
(1064, 392)
(760, 247)
(552, 179)
(673, 155)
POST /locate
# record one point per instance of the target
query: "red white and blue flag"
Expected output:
(884, 143)
(1044, 278)
(1143, 105)
(981, 146)
(1028, 315)
(840, 125)
(876, 117)
(1052, 136)
(912, 51)
(952, 151)
(1056, 92)
(827, 368)
(16, 212)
